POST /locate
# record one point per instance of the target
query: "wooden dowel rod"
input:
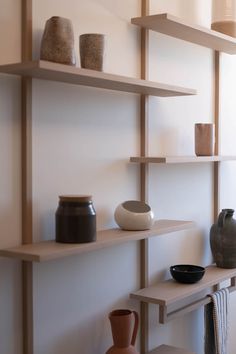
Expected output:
(192, 306)
(144, 179)
(26, 188)
(216, 191)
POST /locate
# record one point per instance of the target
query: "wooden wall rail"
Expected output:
(165, 316)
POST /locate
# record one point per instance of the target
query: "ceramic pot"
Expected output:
(124, 326)
(223, 240)
(224, 16)
(75, 219)
(57, 43)
(92, 51)
(134, 215)
(204, 139)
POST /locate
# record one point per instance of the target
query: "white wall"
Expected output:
(82, 141)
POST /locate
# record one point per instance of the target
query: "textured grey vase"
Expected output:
(223, 240)
(92, 51)
(57, 43)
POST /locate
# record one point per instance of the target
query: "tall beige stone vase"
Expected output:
(57, 43)
(124, 326)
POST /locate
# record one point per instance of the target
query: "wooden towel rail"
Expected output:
(164, 316)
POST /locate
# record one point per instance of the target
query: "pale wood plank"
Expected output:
(26, 157)
(181, 159)
(27, 308)
(166, 349)
(77, 76)
(48, 250)
(144, 106)
(26, 187)
(169, 292)
(181, 29)
(216, 167)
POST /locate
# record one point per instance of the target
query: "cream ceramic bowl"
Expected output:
(134, 215)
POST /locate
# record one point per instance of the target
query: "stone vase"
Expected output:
(124, 325)
(204, 139)
(57, 43)
(223, 240)
(92, 51)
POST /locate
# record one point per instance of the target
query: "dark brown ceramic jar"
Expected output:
(75, 219)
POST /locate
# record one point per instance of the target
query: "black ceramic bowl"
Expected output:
(187, 273)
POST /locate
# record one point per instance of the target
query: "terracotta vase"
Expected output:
(223, 240)
(124, 325)
(57, 43)
(224, 16)
(204, 139)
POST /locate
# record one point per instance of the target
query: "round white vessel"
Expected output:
(134, 215)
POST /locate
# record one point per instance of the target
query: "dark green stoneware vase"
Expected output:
(223, 240)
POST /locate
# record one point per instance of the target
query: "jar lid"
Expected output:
(75, 198)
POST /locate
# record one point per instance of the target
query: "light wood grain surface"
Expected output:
(169, 292)
(77, 76)
(178, 28)
(181, 159)
(48, 250)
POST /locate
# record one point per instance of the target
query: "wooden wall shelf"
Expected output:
(49, 250)
(181, 159)
(170, 292)
(166, 349)
(178, 28)
(69, 74)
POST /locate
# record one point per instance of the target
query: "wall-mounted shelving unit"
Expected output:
(170, 293)
(164, 294)
(178, 28)
(50, 250)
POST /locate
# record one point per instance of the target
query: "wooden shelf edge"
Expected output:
(175, 27)
(49, 250)
(181, 159)
(171, 292)
(73, 75)
(166, 349)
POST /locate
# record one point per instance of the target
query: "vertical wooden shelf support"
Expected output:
(144, 178)
(26, 188)
(217, 138)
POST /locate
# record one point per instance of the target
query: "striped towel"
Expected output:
(216, 323)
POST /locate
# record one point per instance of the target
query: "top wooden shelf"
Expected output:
(178, 28)
(70, 74)
(49, 250)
